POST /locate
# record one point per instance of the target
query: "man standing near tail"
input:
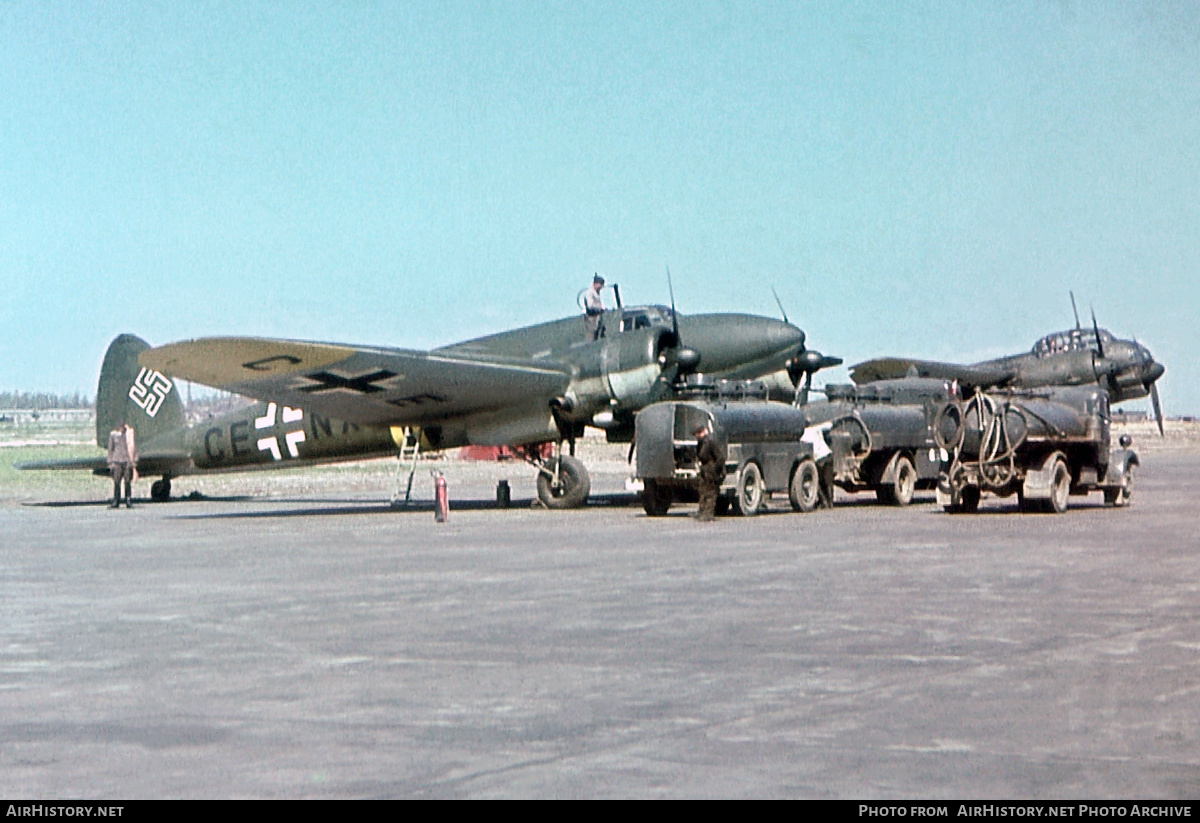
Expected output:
(122, 462)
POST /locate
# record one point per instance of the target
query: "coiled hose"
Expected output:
(995, 461)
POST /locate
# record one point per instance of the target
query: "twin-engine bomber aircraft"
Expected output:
(522, 388)
(1123, 368)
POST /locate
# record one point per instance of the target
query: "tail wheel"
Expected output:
(656, 497)
(160, 490)
(1120, 496)
(749, 498)
(570, 489)
(805, 489)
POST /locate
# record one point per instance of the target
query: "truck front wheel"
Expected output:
(1060, 487)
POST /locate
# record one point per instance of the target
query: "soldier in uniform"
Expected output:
(711, 456)
(122, 462)
(593, 308)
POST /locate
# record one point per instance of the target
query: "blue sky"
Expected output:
(916, 178)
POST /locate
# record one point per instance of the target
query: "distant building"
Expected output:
(26, 416)
(1123, 416)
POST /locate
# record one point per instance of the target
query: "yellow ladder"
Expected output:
(408, 439)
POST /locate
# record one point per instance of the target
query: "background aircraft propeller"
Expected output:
(805, 363)
(678, 360)
(803, 366)
(1157, 408)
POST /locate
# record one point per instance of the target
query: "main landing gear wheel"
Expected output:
(563, 483)
(749, 498)
(900, 491)
(656, 497)
(160, 490)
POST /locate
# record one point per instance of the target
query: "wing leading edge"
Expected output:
(362, 385)
(891, 368)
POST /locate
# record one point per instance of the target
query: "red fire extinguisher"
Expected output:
(441, 494)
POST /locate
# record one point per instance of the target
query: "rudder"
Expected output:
(146, 399)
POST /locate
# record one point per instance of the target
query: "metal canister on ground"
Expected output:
(441, 497)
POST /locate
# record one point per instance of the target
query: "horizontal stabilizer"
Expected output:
(171, 463)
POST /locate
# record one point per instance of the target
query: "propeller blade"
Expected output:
(1096, 329)
(674, 317)
(1074, 309)
(1157, 408)
(779, 303)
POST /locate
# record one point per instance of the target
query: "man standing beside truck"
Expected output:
(711, 456)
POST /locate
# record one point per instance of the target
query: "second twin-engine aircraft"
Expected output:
(522, 388)
(1079, 356)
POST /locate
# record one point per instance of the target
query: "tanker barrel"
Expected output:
(761, 422)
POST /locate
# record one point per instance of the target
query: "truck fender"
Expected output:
(1118, 459)
(889, 471)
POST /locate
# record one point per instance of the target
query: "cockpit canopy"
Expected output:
(1073, 340)
(644, 317)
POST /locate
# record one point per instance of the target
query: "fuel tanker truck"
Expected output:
(1043, 445)
(766, 452)
(880, 435)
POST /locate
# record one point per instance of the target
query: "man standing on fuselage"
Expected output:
(593, 308)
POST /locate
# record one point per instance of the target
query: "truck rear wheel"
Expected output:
(656, 497)
(904, 484)
(805, 489)
(749, 490)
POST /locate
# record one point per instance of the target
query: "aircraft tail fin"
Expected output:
(146, 399)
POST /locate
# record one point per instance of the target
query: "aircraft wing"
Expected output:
(376, 386)
(891, 368)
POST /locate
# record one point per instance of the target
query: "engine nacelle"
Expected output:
(630, 374)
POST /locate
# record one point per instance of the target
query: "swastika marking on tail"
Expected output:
(149, 390)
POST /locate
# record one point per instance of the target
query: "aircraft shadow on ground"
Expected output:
(341, 506)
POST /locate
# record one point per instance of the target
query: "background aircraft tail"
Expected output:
(146, 399)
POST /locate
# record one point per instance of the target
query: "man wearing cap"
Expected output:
(711, 455)
(593, 308)
(122, 462)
